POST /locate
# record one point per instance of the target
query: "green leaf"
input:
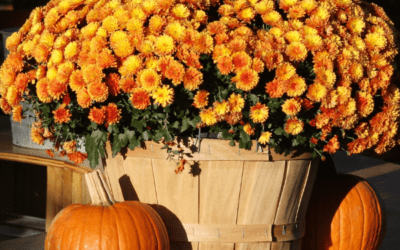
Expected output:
(133, 142)
(175, 152)
(92, 150)
(226, 135)
(176, 125)
(185, 124)
(194, 122)
(245, 140)
(139, 124)
(279, 131)
(253, 98)
(232, 143)
(120, 140)
(113, 129)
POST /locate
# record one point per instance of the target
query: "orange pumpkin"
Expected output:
(344, 213)
(123, 225)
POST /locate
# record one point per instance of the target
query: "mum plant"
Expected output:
(294, 74)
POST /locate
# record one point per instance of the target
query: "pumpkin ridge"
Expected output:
(152, 218)
(364, 212)
(113, 208)
(149, 221)
(101, 223)
(67, 210)
(164, 233)
(137, 225)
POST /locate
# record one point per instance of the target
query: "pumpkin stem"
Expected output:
(99, 191)
(326, 169)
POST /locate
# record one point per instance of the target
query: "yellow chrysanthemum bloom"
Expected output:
(265, 137)
(180, 11)
(316, 92)
(117, 36)
(365, 103)
(135, 26)
(276, 31)
(286, 4)
(248, 129)
(343, 3)
(47, 39)
(138, 13)
(149, 6)
(131, 66)
(291, 107)
(236, 102)
(308, 5)
(271, 17)
(264, 6)
(293, 36)
(356, 25)
(247, 14)
(110, 23)
(156, 23)
(356, 71)
(294, 126)
(123, 48)
(36, 29)
(246, 79)
(164, 45)
(375, 41)
(175, 30)
(51, 18)
(71, 51)
(322, 12)
(148, 79)
(259, 113)
(285, 71)
(208, 116)
(51, 73)
(221, 108)
(296, 51)
(313, 42)
(56, 57)
(163, 95)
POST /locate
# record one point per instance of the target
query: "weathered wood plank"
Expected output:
(115, 170)
(220, 183)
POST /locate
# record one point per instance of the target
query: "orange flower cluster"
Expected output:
(147, 48)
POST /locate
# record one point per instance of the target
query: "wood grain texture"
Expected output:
(220, 183)
(59, 192)
(115, 170)
(138, 184)
(259, 196)
(177, 198)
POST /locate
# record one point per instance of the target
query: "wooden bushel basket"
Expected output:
(226, 198)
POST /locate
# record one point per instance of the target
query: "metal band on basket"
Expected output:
(239, 233)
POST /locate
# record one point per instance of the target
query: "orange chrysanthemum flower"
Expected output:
(113, 114)
(131, 66)
(76, 81)
(316, 92)
(98, 91)
(61, 115)
(42, 90)
(50, 152)
(259, 113)
(112, 82)
(285, 71)
(241, 60)
(5, 106)
(77, 157)
(13, 96)
(192, 79)
(56, 89)
(291, 107)
(149, 79)
(127, 84)
(175, 71)
(236, 102)
(105, 59)
(14, 62)
(225, 65)
(246, 79)
(200, 100)
(265, 137)
(83, 98)
(17, 114)
(221, 108)
(332, 146)
(36, 136)
(208, 116)
(294, 126)
(248, 129)
(92, 73)
(296, 86)
(164, 45)
(69, 146)
(216, 27)
(140, 99)
(21, 82)
(365, 103)
(163, 95)
(233, 117)
(203, 43)
(97, 115)
(258, 65)
(275, 88)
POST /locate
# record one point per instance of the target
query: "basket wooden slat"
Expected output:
(224, 206)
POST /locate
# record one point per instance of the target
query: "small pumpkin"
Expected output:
(107, 225)
(344, 213)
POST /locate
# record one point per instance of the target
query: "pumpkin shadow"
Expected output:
(174, 226)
